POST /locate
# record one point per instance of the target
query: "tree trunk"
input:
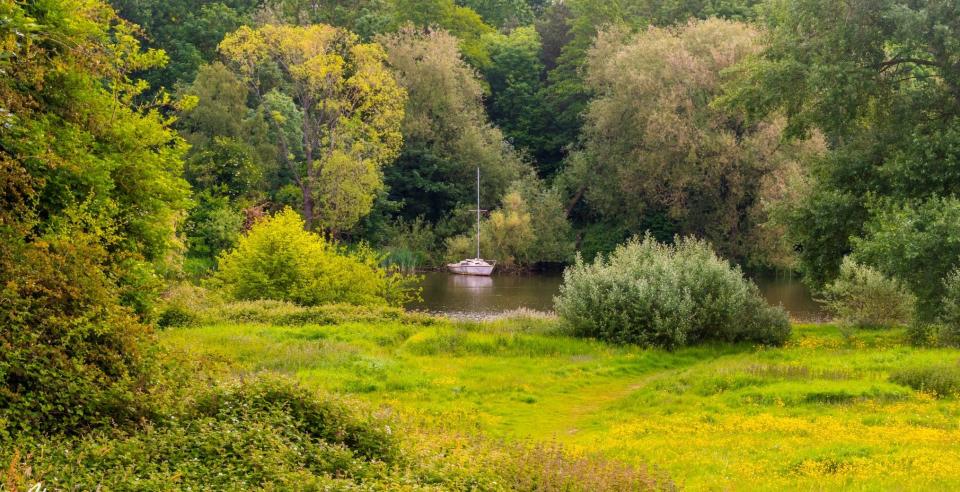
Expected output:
(306, 186)
(576, 199)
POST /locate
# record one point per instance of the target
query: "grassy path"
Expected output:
(818, 414)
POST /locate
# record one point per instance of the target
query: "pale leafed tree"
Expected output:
(349, 106)
(656, 146)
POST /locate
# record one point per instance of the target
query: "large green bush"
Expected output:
(662, 295)
(277, 259)
(865, 298)
(946, 330)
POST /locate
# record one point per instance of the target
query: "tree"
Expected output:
(350, 108)
(187, 30)
(465, 24)
(515, 104)
(90, 195)
(655, 146)
(277, 259)
(446, 132)
(528, 228)
(880, 80)
(503, 14)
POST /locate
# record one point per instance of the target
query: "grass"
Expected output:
(817, 414)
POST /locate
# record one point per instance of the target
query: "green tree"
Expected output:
(465, 24)
(503, 14)
(528, 228)
(516, 105)
(90, 194)
(880, 80)
(654, 146)
(446, 132)
(350, 108)
(187, 30)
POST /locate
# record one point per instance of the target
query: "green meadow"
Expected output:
(819, 413)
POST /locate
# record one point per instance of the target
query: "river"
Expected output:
(461, 295)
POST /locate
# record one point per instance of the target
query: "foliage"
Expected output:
(410, 244)
(707, 170)
(653, 294)
(865, 298)
(277, 259)
(949, 318)
(446, 133)
(516, 101)
(528, 228)
(213, 225)
(190, 305)
(942, 381)
(918, 244)
(350, 108)
(90, 195)
(462, 22)
(879, 80)
(250, 435)
(72, 357)
(187, 30)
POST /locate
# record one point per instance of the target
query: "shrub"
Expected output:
(189, 305)
(654, 294)
(277, 259)
(949, 332)
(266, 433)
(941, 381)
(286, 314)
(71, 357)
(183, 305)
(212, 225)
(865, 298)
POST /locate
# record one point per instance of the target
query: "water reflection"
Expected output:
(470, 282)
(448, 293)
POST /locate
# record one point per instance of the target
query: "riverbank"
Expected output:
(819, 413)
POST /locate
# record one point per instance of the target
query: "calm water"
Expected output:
(461, 294)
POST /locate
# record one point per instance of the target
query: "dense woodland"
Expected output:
(149, 143)
(582, 140)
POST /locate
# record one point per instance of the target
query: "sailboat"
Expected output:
(474, 266)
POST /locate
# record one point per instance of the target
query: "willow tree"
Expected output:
(658, 154)
(348, 106)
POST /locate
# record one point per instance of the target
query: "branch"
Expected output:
(882, 66)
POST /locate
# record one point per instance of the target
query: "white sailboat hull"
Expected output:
(472, 267)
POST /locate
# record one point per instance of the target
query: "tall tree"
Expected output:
(187, 30)
(656, 147)
(503, 14)
(349, 107)
(460, 21)
(446, 131)
(881, 80)
(515, 103)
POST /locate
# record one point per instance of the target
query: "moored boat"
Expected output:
(474, 266)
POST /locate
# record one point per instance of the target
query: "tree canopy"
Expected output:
(347, 103)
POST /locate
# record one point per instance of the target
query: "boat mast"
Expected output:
(478, 212)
